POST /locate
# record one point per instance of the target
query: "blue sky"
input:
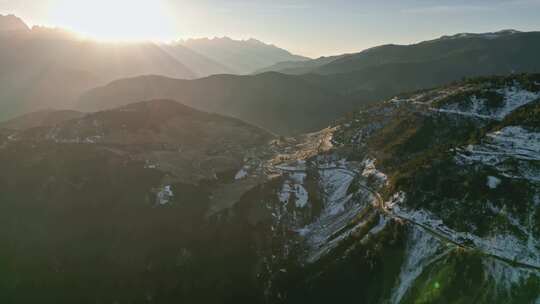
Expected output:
(320, 27)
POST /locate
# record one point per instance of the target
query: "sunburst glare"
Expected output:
(118, 20)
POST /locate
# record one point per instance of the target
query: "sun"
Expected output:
(114, 20)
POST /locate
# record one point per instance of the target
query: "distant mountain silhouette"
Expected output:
(502, 52)
(45, 68)
(240, 56)
(381, 72)
(280, 103)
(50, 68)
(198, 63)
(299, 67)
(391, 69)
(300, 103)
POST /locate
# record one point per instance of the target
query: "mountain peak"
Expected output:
(10, 23)
(241, 56)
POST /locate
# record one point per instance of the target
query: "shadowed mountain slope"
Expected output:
(508, 50)
(299, 67)
(280, 103)
(122, 195)
(299, 103)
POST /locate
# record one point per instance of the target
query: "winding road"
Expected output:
(433, 232)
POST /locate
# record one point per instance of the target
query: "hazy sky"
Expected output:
(313, 28)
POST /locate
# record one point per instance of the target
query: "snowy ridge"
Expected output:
(321, 235)
(505, 246)
(339, 210)
(469, 114)
(490, 36)
(513, 98)
(335, 183)
(510, 143)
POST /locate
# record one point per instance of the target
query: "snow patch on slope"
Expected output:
(511, 143)
(493, 182)
(241, 174)
(513, 98)
(371, 171)
(165, 195)
(505, 276)
(339, 209)
(422, 250)
(505, 246)
(335, 183)
(293, 187)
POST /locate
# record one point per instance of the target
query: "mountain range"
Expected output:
(49, 68)
(291, 104)
(420, 198)
(241, 57)
(486, 47)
